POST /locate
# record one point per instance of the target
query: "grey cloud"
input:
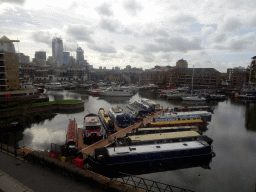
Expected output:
(152, 31)
(236, 43)
(19, 2)
(104, 9)
(149, 58)
(129, 48)
(218, 38)
(132, 7)
(102, 48)
(110, 25)
(183, 18)
(179, 44)
(230, 25)
(166, 57)
(251, 21)
(207, 31)
(42, 37)
(80, 33)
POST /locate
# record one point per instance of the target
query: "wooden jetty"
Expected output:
(88, 149)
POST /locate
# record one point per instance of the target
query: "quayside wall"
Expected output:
(36, 109)
(69, 169)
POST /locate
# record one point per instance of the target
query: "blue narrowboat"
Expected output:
(120, 116)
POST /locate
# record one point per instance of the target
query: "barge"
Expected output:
(153, 130)
(198, 122)
(93, 129)
(169, 137)
(149, 108)
(175, 116)
(120, 116)
(140, 155)
(106, 121)
(193, 108)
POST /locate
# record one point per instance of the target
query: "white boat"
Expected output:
(53, 86)
(116, 92)
(193, 98)
(149, 102)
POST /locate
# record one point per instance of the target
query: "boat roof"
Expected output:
(165, 128)
(124, 150)
(159, 136)
(175, 122)
(193, 113)
(104, 114)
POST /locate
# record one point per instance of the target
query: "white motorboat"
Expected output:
(53, 86)
(116, 92)
(193, 98)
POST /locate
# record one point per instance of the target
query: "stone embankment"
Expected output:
(69, 169)
(35, 109)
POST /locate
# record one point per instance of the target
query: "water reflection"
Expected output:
(250, 118)
(112, 100)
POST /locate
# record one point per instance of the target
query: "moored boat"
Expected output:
(120, 116)
(106, 121)
(193, 108)
(93, 129)
(153, 130)
(168, 137)
(116, 92)
(56, 86)
(115, 157)
(197, 122)
(175, 116)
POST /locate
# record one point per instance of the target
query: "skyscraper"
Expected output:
(79, 55)
(66, 58)
(40, 55)
(57, 50)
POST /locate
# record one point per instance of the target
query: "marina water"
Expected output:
(232, 129)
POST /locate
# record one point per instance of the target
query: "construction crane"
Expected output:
(9, 41)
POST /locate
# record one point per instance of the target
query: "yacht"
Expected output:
(116, 92)
(53, 86)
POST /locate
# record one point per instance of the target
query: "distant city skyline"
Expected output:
(219, 34)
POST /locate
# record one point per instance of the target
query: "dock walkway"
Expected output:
(88, 149)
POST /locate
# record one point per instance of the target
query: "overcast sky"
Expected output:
(217, 33)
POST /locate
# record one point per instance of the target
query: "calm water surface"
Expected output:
(233, 168)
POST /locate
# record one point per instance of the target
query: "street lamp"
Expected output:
(15, 145)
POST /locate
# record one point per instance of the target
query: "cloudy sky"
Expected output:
(206, 33)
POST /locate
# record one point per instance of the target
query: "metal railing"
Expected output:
(148, 185)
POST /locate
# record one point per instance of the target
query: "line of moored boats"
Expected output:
(175, 134)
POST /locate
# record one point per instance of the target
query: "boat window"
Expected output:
(158, 147)
(93, 128)
(185, 144)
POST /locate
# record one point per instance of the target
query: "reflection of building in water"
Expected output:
(250, 117)
(114, 99)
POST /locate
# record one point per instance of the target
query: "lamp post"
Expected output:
(15, 145)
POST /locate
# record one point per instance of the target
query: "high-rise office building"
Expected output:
(66, 58)
(79, 55)
(57, 50)
(40, 55)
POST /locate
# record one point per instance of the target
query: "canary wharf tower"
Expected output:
(57, 50)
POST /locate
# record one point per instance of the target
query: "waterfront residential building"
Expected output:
(237, 76)
(9, 71)
(57, 50)
(203, 77)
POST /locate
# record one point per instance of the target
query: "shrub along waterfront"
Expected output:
(42, 104)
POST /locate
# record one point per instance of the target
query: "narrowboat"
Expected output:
(120, 116)
(168, 137)
(193, 108)
(197, 122)
(93, 129)
(149, 102)
(72, 136)
(137, 109)
(117, 157)
(149, 108)
(134, 117)
(175, 116)
(106, 121)
(153, 130)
